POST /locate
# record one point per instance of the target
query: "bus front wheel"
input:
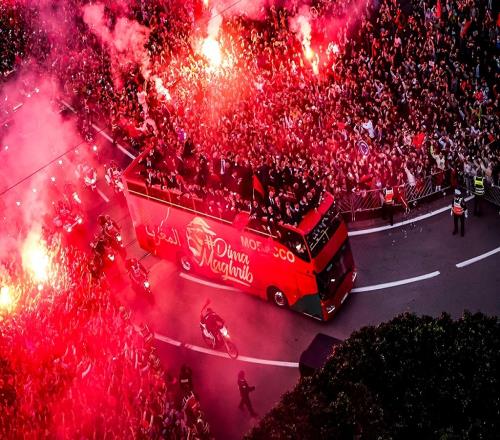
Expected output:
(278, 297)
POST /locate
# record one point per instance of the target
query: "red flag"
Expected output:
(438, 9)
(418, 140)
(257, 186)
(465, 28)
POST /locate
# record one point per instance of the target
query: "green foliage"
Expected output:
(411, 378)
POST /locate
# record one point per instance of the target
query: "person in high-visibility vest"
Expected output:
(478, 194)
(388, 203)
(459, 212)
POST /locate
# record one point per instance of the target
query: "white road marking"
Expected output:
(68, 106)
(207, 283)
(204, 350)
(396, 283)
(403, 223)
(110, 139)
(478, 258)
(103, 133)
(167, 340)
(102, 195)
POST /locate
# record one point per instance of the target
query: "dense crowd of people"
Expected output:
(400, 91)
(73, 365)
(389, 93)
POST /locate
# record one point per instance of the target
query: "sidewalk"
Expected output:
(420, 209)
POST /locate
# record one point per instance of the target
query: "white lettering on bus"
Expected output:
(256, 245)
(222, 259)
(217, 254)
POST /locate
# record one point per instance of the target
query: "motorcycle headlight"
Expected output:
(224, 331)
(146, 284)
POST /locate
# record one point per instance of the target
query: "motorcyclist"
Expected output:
(112, 170)
(99, 244)
(212, 322)
(107, 223)
(136, 270)
(63, 210)
(88, 174)
(113, 173)
(71, 194)
(95, 266)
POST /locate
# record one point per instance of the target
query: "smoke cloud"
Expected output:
(126, 41)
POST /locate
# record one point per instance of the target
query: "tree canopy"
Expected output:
(410, 378)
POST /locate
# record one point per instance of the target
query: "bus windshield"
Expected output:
(323, 231)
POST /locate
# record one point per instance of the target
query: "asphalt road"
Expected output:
(262, 332)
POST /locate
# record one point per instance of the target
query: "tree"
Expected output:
(411, 378)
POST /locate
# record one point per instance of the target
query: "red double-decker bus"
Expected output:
(309, 268)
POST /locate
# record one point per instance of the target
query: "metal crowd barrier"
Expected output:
(491, 191)
(371, 200)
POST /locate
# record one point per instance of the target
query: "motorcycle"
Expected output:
(72, 195)
(114, 238)
(220, 339)
(88, 175)
(140, 282)
(113, 177)
(101, 248)
(67, 219)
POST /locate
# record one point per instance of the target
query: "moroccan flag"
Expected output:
(438, 9)
(257, 186)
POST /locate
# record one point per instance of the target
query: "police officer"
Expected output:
(388, 203)
(245, 391)
(478, 194)
(459, 212)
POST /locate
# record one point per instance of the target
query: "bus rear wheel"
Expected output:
(278, 297)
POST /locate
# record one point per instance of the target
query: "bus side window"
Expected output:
(295, 242)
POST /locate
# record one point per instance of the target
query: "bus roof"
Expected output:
(135, 183)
